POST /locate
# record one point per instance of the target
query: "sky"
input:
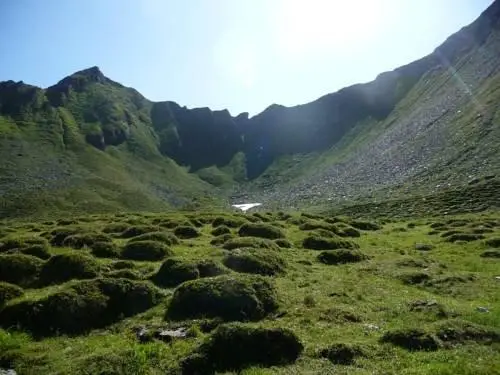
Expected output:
(243, 55)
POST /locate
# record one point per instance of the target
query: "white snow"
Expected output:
(246, 206)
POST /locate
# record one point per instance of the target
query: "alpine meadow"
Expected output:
(375, 248)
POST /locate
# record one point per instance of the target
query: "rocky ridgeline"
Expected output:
(426, 132)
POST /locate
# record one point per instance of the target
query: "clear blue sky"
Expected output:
(238, 54)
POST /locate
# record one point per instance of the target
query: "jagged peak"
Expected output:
(92, 72)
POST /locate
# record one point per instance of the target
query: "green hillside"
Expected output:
(89, 144)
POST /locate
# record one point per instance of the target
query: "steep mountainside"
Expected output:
(91, 144)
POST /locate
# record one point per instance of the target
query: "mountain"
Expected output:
(88, 143)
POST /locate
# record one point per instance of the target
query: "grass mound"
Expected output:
(283, 243)
(78, 241)
(233, 347)
(137, 230)
(58, 235)
(321, 243)
(64, 267)
(226, 297)
(460, 332)
(222, 239)
(105, 250)
(22, 243)
(341, 256)
(146, 250)
(412, 339)
(428, 307)
(365, 225)
(186, 232)
(493, 242)
(163, 237)
(124, 274)
(414, 277)
(490, 254)
(20, 269)
(37, 250)
(81, 307)
(342, 354)
(346, 231)
(210, 268)
(259, 262)
(220, 230)
(115, 228)
(467, 237)
(8, 292)
(253, 242)
(231, 222)
(261, 230)
(176, 271)
(122, 265)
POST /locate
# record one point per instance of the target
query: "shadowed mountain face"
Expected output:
(433, 117)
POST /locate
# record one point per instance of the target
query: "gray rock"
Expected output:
(168, 335)
(482, 309)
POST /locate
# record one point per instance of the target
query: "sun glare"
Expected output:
(303, 25)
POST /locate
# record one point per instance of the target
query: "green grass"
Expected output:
(329, 307)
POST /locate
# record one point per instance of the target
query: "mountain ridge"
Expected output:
(368, 123)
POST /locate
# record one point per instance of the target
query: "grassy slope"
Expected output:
(49, 169)
(370, 290)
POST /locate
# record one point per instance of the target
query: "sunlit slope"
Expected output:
(443, 133)
(84, 150)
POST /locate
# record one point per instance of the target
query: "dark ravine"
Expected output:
(87, 108)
